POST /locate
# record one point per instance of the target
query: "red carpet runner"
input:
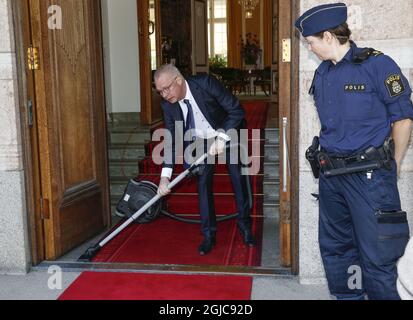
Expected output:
(166, 241)
(133, 286)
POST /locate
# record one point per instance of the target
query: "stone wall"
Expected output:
(14, 250)
(380, 24)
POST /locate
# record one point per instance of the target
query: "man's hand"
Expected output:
(163, 189)
(218, 147)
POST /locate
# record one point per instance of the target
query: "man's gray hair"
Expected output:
(167, 69)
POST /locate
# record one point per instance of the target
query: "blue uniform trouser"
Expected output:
(351, 238)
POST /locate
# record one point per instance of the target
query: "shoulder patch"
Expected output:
(394, 85)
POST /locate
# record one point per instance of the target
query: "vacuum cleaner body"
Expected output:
(135, 196)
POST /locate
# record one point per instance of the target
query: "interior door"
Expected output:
(69, 106)
(149, 24)
(275, 45)
(199, 36)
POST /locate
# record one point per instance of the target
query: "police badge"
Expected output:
(394, 85)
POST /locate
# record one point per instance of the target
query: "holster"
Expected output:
(312, 155)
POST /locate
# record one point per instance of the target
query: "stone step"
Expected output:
(271, 168)
(128, 137)
(128, 169)
(271, 187)
(178, 199)
(126, 127)
(271, 210)
(271, 181)
(119, 179)
(117, 189)
(272, 135)
(125, 117)
(119, 152)
(272, 151)
(272, 198)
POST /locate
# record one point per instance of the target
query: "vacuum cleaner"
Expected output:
(134, 204)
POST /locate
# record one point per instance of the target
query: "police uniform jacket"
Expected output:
(359, 99)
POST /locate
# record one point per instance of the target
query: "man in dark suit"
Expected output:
(205, 107)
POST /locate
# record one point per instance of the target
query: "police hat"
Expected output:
(322, 18)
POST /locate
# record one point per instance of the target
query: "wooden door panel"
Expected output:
(30, 141)
(199, 36)
(72, 128)
(151, 111)
(284, 100)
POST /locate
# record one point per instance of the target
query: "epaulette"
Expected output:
(364, 54)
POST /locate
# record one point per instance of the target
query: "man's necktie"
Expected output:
(189, 124)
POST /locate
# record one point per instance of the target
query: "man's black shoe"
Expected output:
(206, 246)
(248, 238)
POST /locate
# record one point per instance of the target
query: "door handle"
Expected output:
(151, 27)
(286, 156)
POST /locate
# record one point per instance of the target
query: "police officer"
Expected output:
(363, 100)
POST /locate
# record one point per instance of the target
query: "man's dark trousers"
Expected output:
(206, 197)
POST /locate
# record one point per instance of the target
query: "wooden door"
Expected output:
(274, 52)
(284, 100)
(70, 122)
(199, 16)
(149, 29)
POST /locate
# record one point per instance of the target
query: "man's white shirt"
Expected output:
(203, 128)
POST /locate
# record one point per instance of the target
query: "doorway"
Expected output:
(143, 124)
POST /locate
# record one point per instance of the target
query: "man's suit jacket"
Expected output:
(220, 107)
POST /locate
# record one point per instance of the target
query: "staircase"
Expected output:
(127, 146)
(271, 173)
(270, 256)
(127, 141)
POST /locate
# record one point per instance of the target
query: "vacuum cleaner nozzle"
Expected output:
(89, 254)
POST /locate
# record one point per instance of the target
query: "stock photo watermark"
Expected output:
(55, 20)
(55, 281)
(355, 281)
(244, 148)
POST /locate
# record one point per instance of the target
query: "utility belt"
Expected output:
(367, 160)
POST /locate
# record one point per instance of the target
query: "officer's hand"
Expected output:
(218, 147)
(163, 189)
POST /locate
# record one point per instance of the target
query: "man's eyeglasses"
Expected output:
(167, 89)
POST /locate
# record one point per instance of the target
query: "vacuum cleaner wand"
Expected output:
(92, 251)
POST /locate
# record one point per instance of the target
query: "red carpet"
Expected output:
(133, 286)
(166, 241)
